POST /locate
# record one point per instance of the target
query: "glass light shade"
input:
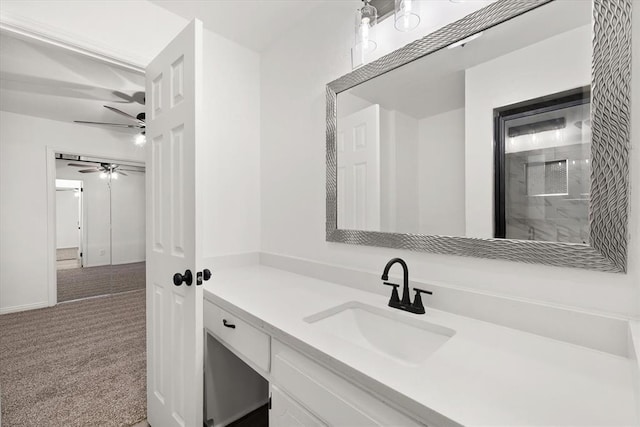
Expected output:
(406, 14)
(103, 175)
(366, 20)
(114, 175)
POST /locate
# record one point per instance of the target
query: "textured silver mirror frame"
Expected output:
(610, 111)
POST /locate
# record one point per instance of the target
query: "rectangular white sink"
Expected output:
(394, 335)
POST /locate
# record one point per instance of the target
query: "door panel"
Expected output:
(358, 145)
(174, 313)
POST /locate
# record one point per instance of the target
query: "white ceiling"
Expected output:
(252, 23)
(50, 82)
(53, 83)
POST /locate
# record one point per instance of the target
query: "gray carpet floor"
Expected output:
(81, 363)
(87, 282)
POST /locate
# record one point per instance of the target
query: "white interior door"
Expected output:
(358, 147)
(174, 313)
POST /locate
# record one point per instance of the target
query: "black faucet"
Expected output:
(404, 304)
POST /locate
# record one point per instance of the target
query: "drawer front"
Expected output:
(327, 395)
(287, 413)
(239, 336)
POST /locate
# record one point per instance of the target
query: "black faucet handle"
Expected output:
(395, 298)
(417, 301)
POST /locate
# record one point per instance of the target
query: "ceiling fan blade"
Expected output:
(80, 165)
(109, 124)
(122, 173)
(89, 171)
(122, 113)
(132, 170)
(138, 97)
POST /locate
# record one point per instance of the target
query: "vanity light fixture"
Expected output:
(406, 15)
(464, 41)
(366, 20)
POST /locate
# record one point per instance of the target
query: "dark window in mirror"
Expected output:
(542, 153)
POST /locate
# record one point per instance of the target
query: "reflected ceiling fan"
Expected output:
(138, 120)
(105, 169)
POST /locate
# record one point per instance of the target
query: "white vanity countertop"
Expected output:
(484, 375)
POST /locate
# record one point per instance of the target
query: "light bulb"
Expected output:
(103, 175)
(141, 139)
(364, 32)
(366, 19)
(407, 16)
(114, 175)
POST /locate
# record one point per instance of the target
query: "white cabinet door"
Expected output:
(287, 413)
(174, 313)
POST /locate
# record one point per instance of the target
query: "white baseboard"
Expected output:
(24, 307)
(593, 330)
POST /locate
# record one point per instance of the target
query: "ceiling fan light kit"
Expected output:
(139, 119)
(106, 170)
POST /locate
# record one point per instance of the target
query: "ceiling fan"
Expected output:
(138, 120)
(105, 169)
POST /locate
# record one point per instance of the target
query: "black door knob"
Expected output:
(206, 273)
(179, 279)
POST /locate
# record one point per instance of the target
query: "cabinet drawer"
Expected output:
(330, 397)
(240, 337)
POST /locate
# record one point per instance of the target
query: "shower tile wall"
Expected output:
(559, 218)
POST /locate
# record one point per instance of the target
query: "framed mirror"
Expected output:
(503, 135)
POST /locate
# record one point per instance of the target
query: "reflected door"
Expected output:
(543, 152)
(358, 146)
(127, 184)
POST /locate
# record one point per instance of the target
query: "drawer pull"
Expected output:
(227, 324)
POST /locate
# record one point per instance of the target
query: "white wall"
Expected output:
(407, 187)
(441, 169)
(23, 209)
(128, 218)
(518, 76)
(231, 159)
(295, 71)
